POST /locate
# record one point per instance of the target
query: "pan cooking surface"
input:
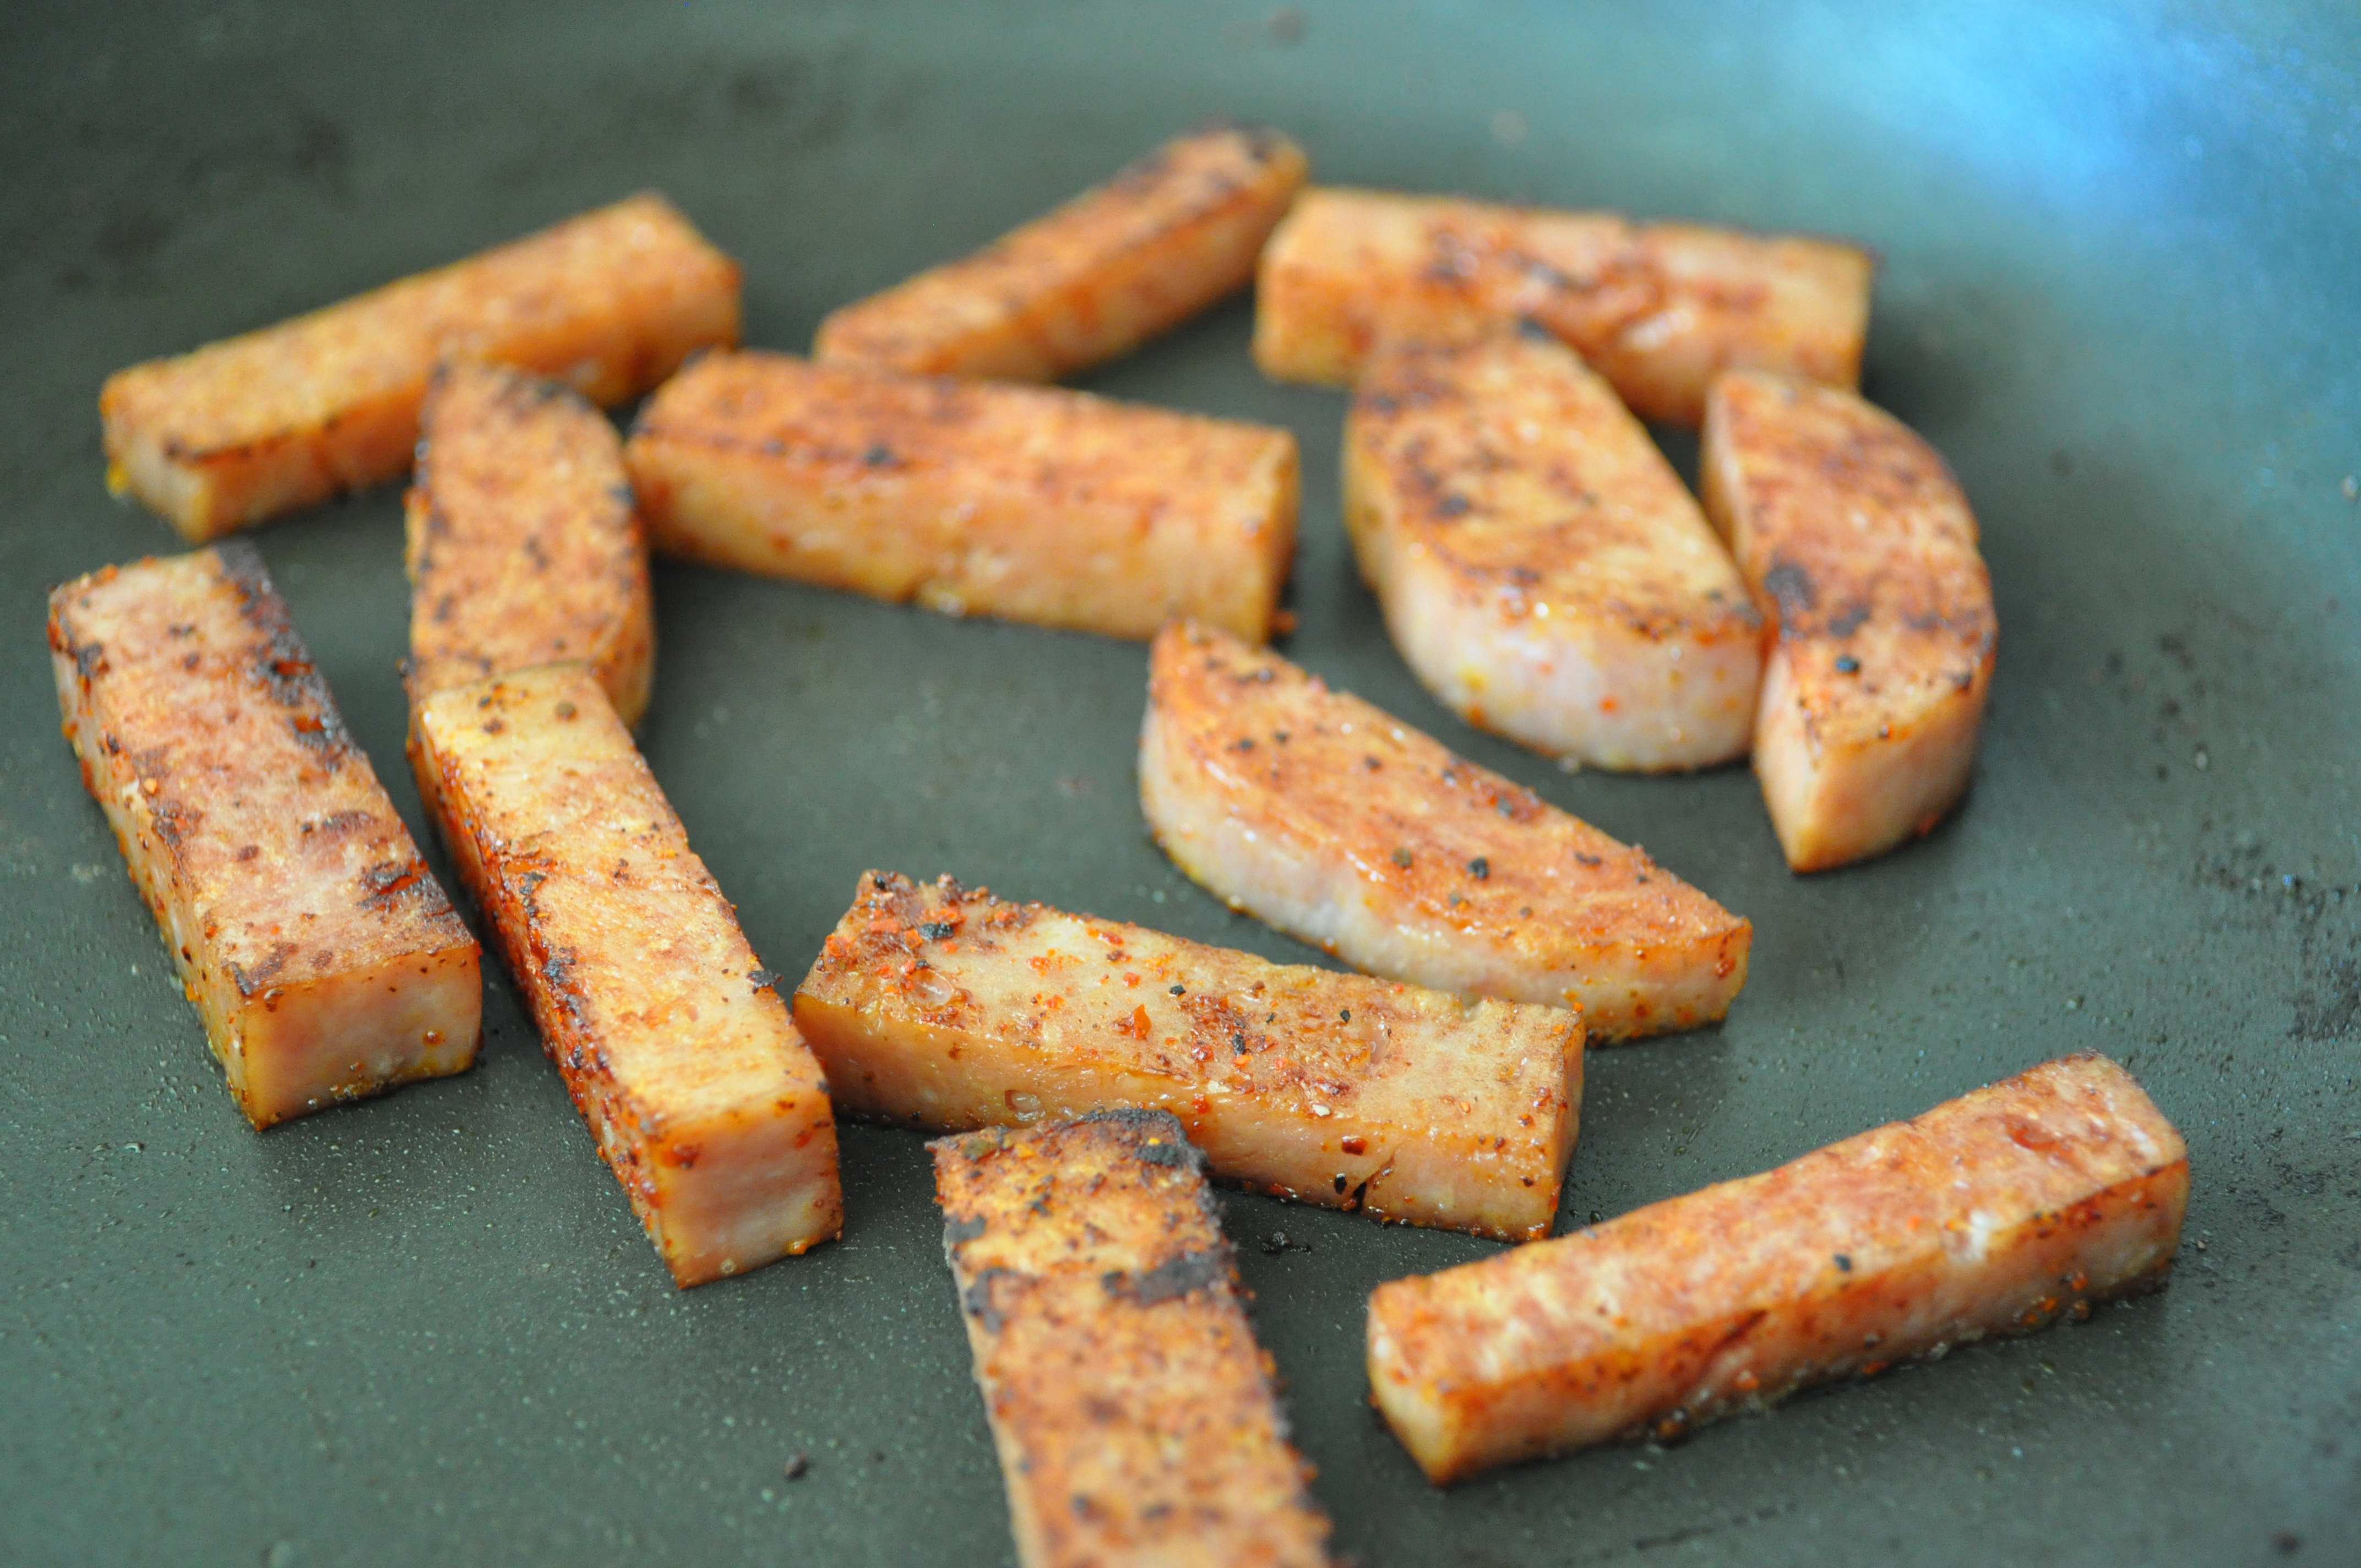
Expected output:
(2116, 293)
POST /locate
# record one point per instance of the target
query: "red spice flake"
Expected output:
(1136, 1025)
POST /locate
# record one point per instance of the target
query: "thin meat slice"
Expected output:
(1542, 569)
(319, 950)
(253, 426)
(671, 1035)
(1994, 1213)
(524, 545)
(949, 1008)
(1858, 543)
(1027, 503)
(1132, 1409)
(1121, 262)
(1337, 823)
(1659, 309)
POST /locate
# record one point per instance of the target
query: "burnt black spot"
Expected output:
(879, 457)
(1181, 1276)
(957, 1233)
(1846, 664)
(976, 1300)
(1791, 587)
(1848, 620)
(936, 930)
(1479, 867)
(173, 821)
(557, 971)
(1452, 506)
(249, 981)
(763, 979)
(89, 659)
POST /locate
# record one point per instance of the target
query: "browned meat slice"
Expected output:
(1659, 309)
(247, 428)
(1340, 823)
(1131, 1408)
(949, 1008)
(1544, 571)
(1996, 1212)
(1859, 544)
(670, 1034)
(525, 547)
(1101, 275)
(1028, 503)
(321, 955)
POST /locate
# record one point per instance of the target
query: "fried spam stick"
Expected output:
(1544, 571)
(324, 958)
(524, 545)
(1861, 548)
(949, 1008)
(1112, 268)
(247, 428)
(1132, 1409)
(670, 1035)
(1340, 823)
(1658, 309)
(1994, 1213)
(1028, 503)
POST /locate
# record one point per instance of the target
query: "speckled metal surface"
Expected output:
(2118, 292)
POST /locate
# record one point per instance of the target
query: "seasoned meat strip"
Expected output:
(1131, 1408)
(319, 950)
(1341, 824)
(949, 1008)
(1997, 1213)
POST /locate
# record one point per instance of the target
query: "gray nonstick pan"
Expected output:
(2118, 290)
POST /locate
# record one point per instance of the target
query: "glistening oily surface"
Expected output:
(2116, 295)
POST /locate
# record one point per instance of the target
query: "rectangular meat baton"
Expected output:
(949, 1008)
(1027, 503)
(1995, 1213)
(321, 954)
(670, 1035)
(1101, 275)
(1131, 1408)
(245, 429)
(1658, 309)
(523, 544)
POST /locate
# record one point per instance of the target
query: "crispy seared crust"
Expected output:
(247, 428)
(1658, 309)
(524, 545)
(1861, 550)
(1994, 1213)
(1339, 823)
(318, 948)
(1120, 263)
(1132, 1409)
(949, 1008)
(1542, 569)
(1021, 502)
(670, 1035)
